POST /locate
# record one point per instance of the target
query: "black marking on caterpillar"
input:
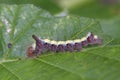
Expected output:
(62, 46)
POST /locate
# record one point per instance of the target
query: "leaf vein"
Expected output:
(10, 71)
(59, 67)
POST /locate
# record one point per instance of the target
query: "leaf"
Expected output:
(48, 4)
(85, 65)
(19, 22)
(113, 25)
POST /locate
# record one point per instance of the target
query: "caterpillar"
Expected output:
(45, 45)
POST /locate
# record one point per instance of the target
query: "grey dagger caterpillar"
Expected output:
(45, 45)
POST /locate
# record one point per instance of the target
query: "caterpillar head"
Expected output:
(30, 51)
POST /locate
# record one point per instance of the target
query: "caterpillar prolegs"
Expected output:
(44, 45)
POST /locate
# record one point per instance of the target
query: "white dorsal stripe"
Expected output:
(83, 39)
(77, 40)
(47, 40)
(61, 42)
(95, 37)
(53, 42)
(69, 41)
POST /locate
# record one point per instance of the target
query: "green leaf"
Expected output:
(47, 4)
(86, 65)
(19, 22)
(114, 27)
